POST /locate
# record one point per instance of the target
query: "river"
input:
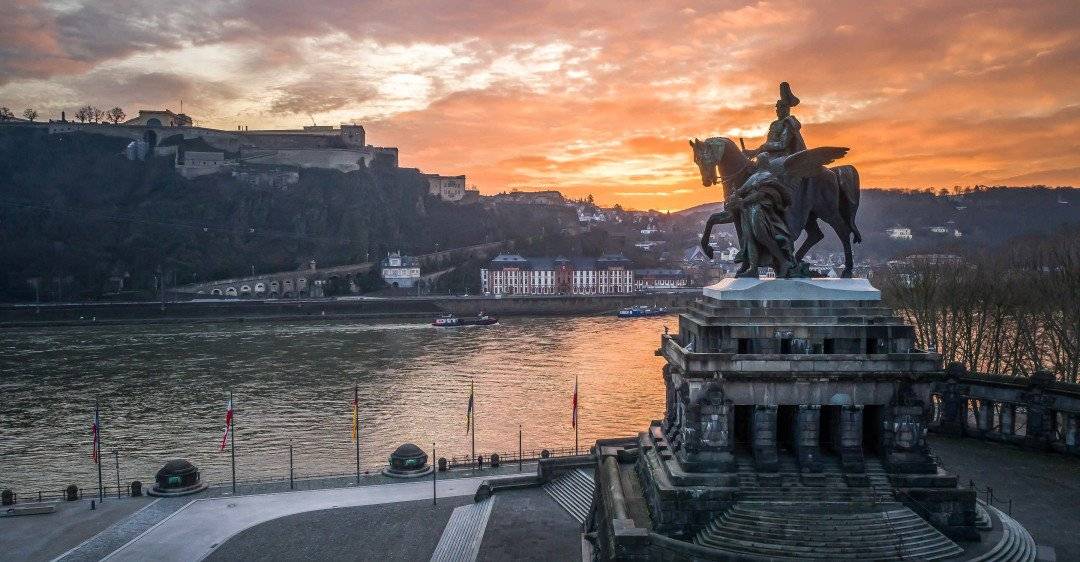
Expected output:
(163, 391)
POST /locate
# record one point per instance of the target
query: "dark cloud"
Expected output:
(318, 96)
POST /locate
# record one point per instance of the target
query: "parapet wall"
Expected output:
(1035, 412)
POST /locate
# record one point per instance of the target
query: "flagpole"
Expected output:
(356, 428)
(577, 422)
(97, 420)
(232, 440)
(116, 455)
(473, 424)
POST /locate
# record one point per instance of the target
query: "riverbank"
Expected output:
(346, 308)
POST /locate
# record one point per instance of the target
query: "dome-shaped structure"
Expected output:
(408, 461)
(177, 478)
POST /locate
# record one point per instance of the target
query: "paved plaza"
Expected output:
(396, 521)
(1044, 487)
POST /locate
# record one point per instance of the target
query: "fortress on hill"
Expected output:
(262, 157)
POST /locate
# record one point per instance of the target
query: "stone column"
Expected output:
(1008, 417)
(850, 437)
(808, 438)
(763, 439)
(984, 415)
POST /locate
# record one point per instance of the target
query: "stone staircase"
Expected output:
(464, 532)
(824, 530)
(1015, 545)
(875, 472)
(574, 492)
(788, 485)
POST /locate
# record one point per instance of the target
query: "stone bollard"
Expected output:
(442, 464)
(71, 493)
(494, 460)
(7, 497)
(136, 488)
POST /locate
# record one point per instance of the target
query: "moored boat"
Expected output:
(640, 311)
(449, 320)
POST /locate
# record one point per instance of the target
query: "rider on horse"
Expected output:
(784, 138)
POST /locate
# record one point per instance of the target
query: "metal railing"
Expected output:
(314, 480)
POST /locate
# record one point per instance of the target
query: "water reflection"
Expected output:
(163, 391)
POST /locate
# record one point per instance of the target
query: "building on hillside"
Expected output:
(511, 274)
(447, 188)
(589, 214)
(652, 279)
(400, 271)
(196, 163)
(899, 233)
(548, 197)
(159, 118)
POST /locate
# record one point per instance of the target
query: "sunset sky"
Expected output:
(593, 96)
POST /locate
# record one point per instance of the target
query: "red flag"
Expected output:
(95, 430)
(228, 424)
(573, 420)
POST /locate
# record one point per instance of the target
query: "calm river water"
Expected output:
(163, 390)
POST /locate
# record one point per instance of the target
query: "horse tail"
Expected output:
(848, 181)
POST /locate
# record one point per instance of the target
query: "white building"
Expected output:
(899, 233)
(447, 188)
(511, 274)
(400, 271)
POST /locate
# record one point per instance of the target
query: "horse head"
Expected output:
(707, 156)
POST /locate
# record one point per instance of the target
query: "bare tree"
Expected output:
(97, 115)
(30, 114)
(85, 113)
(1011, 312)
(6, 114)
(115, 115)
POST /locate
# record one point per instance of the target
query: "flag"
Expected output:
(469, 412)
(356, 413)
(228, 424)
(95, 431)
(573, 418)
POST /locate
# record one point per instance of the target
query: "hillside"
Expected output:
(985, 217)
(76, 216)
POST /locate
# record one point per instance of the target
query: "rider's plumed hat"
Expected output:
(786, 97)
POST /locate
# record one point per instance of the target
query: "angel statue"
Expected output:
(759, 207)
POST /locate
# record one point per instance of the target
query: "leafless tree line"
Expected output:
(91, 114)
(1012, 311)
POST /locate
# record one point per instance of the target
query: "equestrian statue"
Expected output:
(775, 192)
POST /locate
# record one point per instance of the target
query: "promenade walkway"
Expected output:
(194, 531)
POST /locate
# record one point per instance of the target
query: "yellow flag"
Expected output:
(355, 419)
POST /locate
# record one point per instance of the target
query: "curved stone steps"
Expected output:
(878, 531)
(982, 518)
(464, 532)
(1015, 545)
(573, 491)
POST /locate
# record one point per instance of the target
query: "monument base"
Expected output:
(815, 289)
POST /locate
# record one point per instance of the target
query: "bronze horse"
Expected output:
(832, 196)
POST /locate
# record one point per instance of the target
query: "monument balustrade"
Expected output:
(1035, 412)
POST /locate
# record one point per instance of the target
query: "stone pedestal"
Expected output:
(757, 363)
